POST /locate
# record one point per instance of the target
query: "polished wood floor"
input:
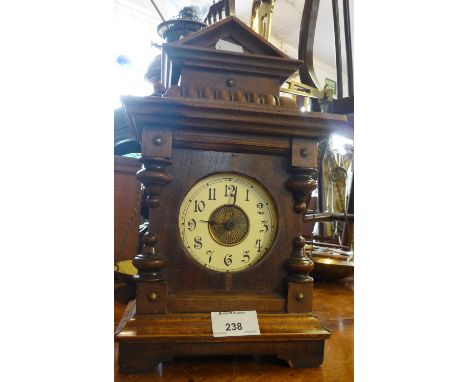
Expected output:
(334, 306)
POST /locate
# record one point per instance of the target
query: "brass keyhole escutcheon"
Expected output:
(228, 225)
(300, 296)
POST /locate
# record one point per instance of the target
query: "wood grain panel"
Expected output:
(126, 205)
(219, 141)
(182, 272)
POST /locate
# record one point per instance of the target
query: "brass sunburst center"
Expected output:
(228, 225)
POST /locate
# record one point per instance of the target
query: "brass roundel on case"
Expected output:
(230, 82)
(152, 296)
(158, 140)
(228, 225)
(300, 296)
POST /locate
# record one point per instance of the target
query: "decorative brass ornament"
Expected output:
(228, 225)
(152, 296)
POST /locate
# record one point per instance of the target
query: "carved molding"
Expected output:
(226, 95)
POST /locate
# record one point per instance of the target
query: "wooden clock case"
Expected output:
(222, 113)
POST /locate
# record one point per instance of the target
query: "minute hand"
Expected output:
(235, 198)
(233, 203)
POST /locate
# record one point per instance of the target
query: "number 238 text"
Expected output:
(233, 326)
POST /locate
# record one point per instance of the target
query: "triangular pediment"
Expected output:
(231, 34)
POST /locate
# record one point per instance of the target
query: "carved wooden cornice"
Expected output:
(207, 58)
(238, 117)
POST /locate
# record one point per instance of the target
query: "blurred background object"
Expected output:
(331, 238)
(262, 15)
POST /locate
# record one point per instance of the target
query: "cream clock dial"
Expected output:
(227, 222)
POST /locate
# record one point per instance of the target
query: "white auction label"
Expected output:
(240, 323)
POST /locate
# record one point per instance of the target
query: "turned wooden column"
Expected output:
(301, 184)
(151, 295)
(154, 177)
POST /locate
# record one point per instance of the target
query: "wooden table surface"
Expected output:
(333, 305)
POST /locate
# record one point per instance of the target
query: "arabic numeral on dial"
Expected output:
(260, 207)
(264, 227)
(191, 224)
(230, 190)
(245, 257)
(198, 242)
(228, 260)
(199, 206)
(212, 194)
(209, 253)
(258, 245)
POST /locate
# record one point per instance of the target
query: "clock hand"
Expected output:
(212, 222)
(233, 203)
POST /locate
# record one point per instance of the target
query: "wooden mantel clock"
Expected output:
(228, 167)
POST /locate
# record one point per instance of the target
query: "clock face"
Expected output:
(227, 222)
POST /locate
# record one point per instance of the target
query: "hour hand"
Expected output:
(211, 222)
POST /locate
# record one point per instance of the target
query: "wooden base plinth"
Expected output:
(147, 340)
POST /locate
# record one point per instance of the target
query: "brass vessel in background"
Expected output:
(260, 20)
(329, 264)
(124, 271)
